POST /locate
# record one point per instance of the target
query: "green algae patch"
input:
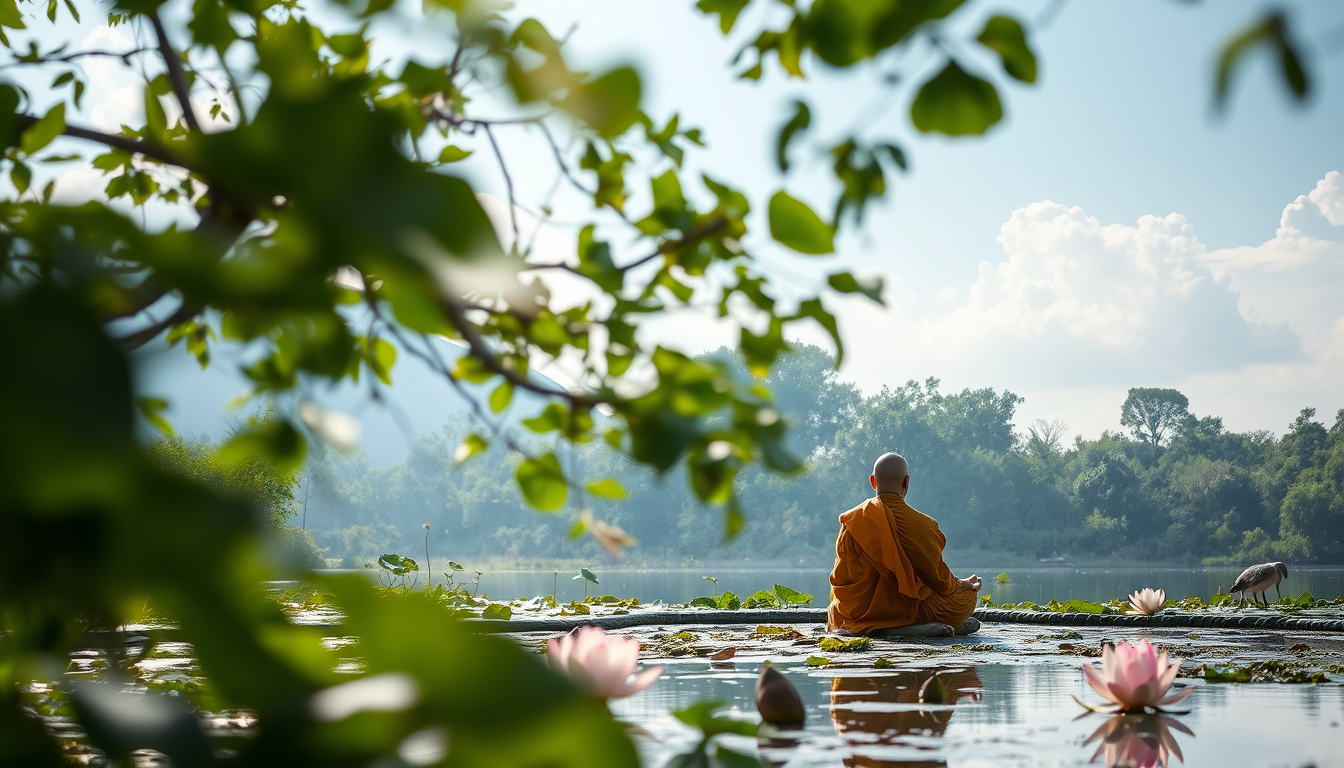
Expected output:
(777, 633)
(817, 661)
(836, 645)
(1268, 671)
(883, 663)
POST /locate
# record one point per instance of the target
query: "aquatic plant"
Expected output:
(397, 571)
(834, 644)
(1140, 742)
(779, 597)
(1003, 578)
(703, 718)
(587, 577)
(1135, 678)
(1147, 601)
(602, 664)
(777, 700)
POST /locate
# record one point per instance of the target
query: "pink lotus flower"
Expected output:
(1147, 601)
(1134, 677)
(603, 665)
(1138, 742)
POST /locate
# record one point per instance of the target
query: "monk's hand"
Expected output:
(971, 584)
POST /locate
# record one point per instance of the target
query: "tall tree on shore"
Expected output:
(1153, 415)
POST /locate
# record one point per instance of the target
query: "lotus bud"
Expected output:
(933, 691)
(777, 700)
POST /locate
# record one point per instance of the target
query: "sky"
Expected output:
(1112, 232)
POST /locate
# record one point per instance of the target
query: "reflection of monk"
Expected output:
(858, 727)
(889, 569)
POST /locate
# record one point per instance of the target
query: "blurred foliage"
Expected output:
(292, 191)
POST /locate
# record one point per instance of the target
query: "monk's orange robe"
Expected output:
(889, 570)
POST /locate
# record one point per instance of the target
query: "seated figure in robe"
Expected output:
(889, 576)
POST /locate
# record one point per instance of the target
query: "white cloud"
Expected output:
(1329, 197)
(1073, 303)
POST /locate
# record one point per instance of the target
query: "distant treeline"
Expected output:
(1178, 487)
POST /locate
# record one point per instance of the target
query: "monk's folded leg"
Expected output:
(953, 609)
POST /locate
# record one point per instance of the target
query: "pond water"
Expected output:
(1037, 584)
(1007, 715)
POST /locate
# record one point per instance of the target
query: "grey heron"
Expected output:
(1258, 579)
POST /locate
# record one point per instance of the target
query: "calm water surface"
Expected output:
(1007, 715)
(1038, 585)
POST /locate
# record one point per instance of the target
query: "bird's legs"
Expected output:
(1277, 593)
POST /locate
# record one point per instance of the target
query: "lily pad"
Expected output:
(835, 644)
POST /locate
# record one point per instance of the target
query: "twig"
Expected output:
(135, 146)
(508, 185)
(694, 233)
(176, 74)
(125, 57)
(481, 351)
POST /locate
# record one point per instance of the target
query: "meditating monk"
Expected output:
(889, 575)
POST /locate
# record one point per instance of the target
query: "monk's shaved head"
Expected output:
(889, 472)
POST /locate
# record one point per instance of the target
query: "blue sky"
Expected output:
(1119, 126)
(1111, 232)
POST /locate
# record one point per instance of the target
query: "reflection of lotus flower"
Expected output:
(1148, 601)
(1138, 742)
(601, 664)
(1133, 677)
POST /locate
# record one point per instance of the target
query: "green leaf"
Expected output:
(542, 482)
(733, 520)
(577, 530)
(1004, 36)
(383, 356)
(44, 131)
(956, 103)
(471, 445)
(1270, 31)
(789, 596)
(795, 225)
(729, 602)
(152, 408)
(704, 602)
(844, 282)
(608, 489)
(702, 716)
(275, 441)
(502, 396)
(727, 10)
(22, 176)
(814, 309)
(588, 575)
(452, 154)
(10, 16)
(610, 103)
(817, 661)
(802, 118)
(497, 611)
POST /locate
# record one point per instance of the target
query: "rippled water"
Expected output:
(1035, 584)
(1007, 715)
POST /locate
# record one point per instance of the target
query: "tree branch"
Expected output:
(481, 351)
(176, 74)
(508, 186)
(148, 334)
(125, 57)
(697, 232)
(134, 146)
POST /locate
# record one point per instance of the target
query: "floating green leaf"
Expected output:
(497, 611)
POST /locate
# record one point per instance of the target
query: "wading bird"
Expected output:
(1258, 579)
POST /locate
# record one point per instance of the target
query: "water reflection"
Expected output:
(885, 710)
(1138, 741)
